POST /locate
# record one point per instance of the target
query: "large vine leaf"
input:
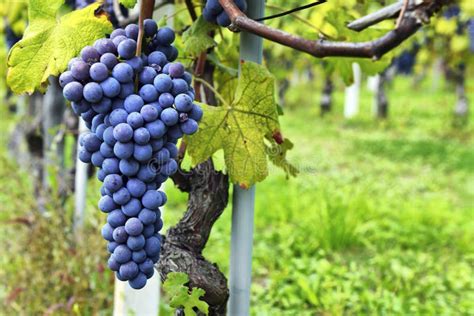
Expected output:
(196, 39)
(181, 297)
(49, 43)
(239, 127)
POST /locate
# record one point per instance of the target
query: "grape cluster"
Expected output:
(214, 13)
(136, 109)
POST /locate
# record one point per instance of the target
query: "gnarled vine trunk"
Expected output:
(183, 245)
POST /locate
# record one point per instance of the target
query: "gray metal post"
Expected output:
(244, 200)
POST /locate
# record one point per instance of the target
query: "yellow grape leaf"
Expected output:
(239, 127)
(50, 42)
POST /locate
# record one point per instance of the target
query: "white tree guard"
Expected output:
(373, 86)
(80, 185)
(352, 94)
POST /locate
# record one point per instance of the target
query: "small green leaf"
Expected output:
(277, 155)
(196, 39)
(163, 21)
(239, 128)
(181, 297)
(50, 42)
(128, 3)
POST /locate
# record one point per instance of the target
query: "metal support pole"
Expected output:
(244, 200)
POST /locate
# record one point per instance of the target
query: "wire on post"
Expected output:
(278, 15)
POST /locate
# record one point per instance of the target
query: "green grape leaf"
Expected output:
(240, 126)
(277, 155)
(50, 42)
(128, 3)
(182, 297)
(196, 39)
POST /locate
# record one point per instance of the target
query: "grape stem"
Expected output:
(191, 9)
(210, 87)
(146, 12)
(375, 49)
(406, 3)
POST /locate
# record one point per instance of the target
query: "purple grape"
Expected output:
(136, 187)
(123, 73)
(99, 72)
(122, 254)
(166, 100)
(135, 120)
(73, 91)
(132, 208)
(123, 150)
(135, 243)
(123, 132)
(139, 281)
(110, 87)
(129, 167)
(148, 93)
(141, 136)
(165, 36)
(183, 103)
(131, 31)
(169, 116)
(127, 48)
(65, 78)
(150, 27)
(90, 55)
(133, 103)
(109, 60)
(176, 70)
(93, 92)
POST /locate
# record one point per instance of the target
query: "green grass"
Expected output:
(379, 221)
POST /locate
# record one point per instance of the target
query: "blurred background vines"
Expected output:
(379, 221)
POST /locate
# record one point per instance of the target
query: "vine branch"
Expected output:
(323, 48)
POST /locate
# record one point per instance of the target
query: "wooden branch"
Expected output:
(183, 244)
(322, 48)
(191, 9)
(404, 9)
(146, 12)
(383, 14)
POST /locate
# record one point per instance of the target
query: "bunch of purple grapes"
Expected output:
(214, 13)
(136, 109)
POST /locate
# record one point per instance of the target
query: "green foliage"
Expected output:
(50, 42)
(45, 268)
(128, 3)
(14, 14)
(196, 39)
(181, 297)
(379, 220)
(239, 127)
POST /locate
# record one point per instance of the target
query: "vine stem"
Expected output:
(208, 85)
(374, 49)
(191, 9)
(402, 13)
(146, 12)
